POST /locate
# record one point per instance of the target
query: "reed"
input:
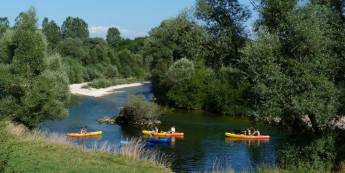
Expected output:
(134, 150)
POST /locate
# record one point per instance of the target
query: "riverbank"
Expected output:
(26, 151)
(83, 90)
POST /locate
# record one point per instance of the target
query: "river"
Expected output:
(203, 147)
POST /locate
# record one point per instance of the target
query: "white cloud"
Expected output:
(101, 31)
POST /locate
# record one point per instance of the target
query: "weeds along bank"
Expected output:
(30, 151)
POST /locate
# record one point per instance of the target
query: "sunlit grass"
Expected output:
(22, 150)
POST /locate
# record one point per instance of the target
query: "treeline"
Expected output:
(36, 65)
(88, 58)
(85, 58)
(290, 71)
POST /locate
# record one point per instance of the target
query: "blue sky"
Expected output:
(133, 17)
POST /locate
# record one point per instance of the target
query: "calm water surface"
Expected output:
(203, 147)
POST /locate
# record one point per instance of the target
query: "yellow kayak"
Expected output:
(242, 136)
(163, 134)
(96, 133)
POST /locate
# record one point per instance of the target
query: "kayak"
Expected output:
(165, 134)
(241, 136)
(96, 133)
(158, 140)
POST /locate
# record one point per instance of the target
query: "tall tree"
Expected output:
(174, 39)
(33, 87)
(113, 37)
(273, 14)
(337, 36)
(4, 25)
(30, 45)
(292, 75)
(52, 32)
(75, 28)
(225, 21)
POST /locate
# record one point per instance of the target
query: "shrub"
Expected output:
(137, 109)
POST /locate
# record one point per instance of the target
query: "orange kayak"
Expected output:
(242, 136)
(96, 133)
(163, 134)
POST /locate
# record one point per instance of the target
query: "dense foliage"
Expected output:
(33, 85)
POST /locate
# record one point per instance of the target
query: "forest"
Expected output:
(289, 72)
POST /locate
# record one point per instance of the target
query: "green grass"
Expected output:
(30, 152)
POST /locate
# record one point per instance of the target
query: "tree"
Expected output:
(180, 71)
(52, 32)
(228, 92)
(174, 39)
(191, 92)
(274, 14)
(291, 75)
(7, 47)
(98, 51)
(113, 37)
(337, 6)
(75, 28)
(29, 54)
(32, 87)
(75, 71)
(130, 65)
(4, 25)
(46, 98)
(73, 48)
(224, 20)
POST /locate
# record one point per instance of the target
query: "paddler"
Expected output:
(83, 130)
(256, 132)
(172, 129)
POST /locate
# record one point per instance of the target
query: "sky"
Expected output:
(134, 18)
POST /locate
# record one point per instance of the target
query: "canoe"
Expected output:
(96, 133)
(242, 136)
(163, 134)
(158, 140)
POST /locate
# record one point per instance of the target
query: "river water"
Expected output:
(202, 148)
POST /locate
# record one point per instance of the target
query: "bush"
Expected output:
(318, 153)
(137, 109)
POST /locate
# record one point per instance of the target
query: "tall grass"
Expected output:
(134, 150)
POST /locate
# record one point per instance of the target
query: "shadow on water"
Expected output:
(203, 145)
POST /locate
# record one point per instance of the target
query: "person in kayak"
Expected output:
(249, 132)
(172, 129)
(256, 132)
(83, 130)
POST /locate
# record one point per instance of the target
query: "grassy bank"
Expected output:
(25, 151)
